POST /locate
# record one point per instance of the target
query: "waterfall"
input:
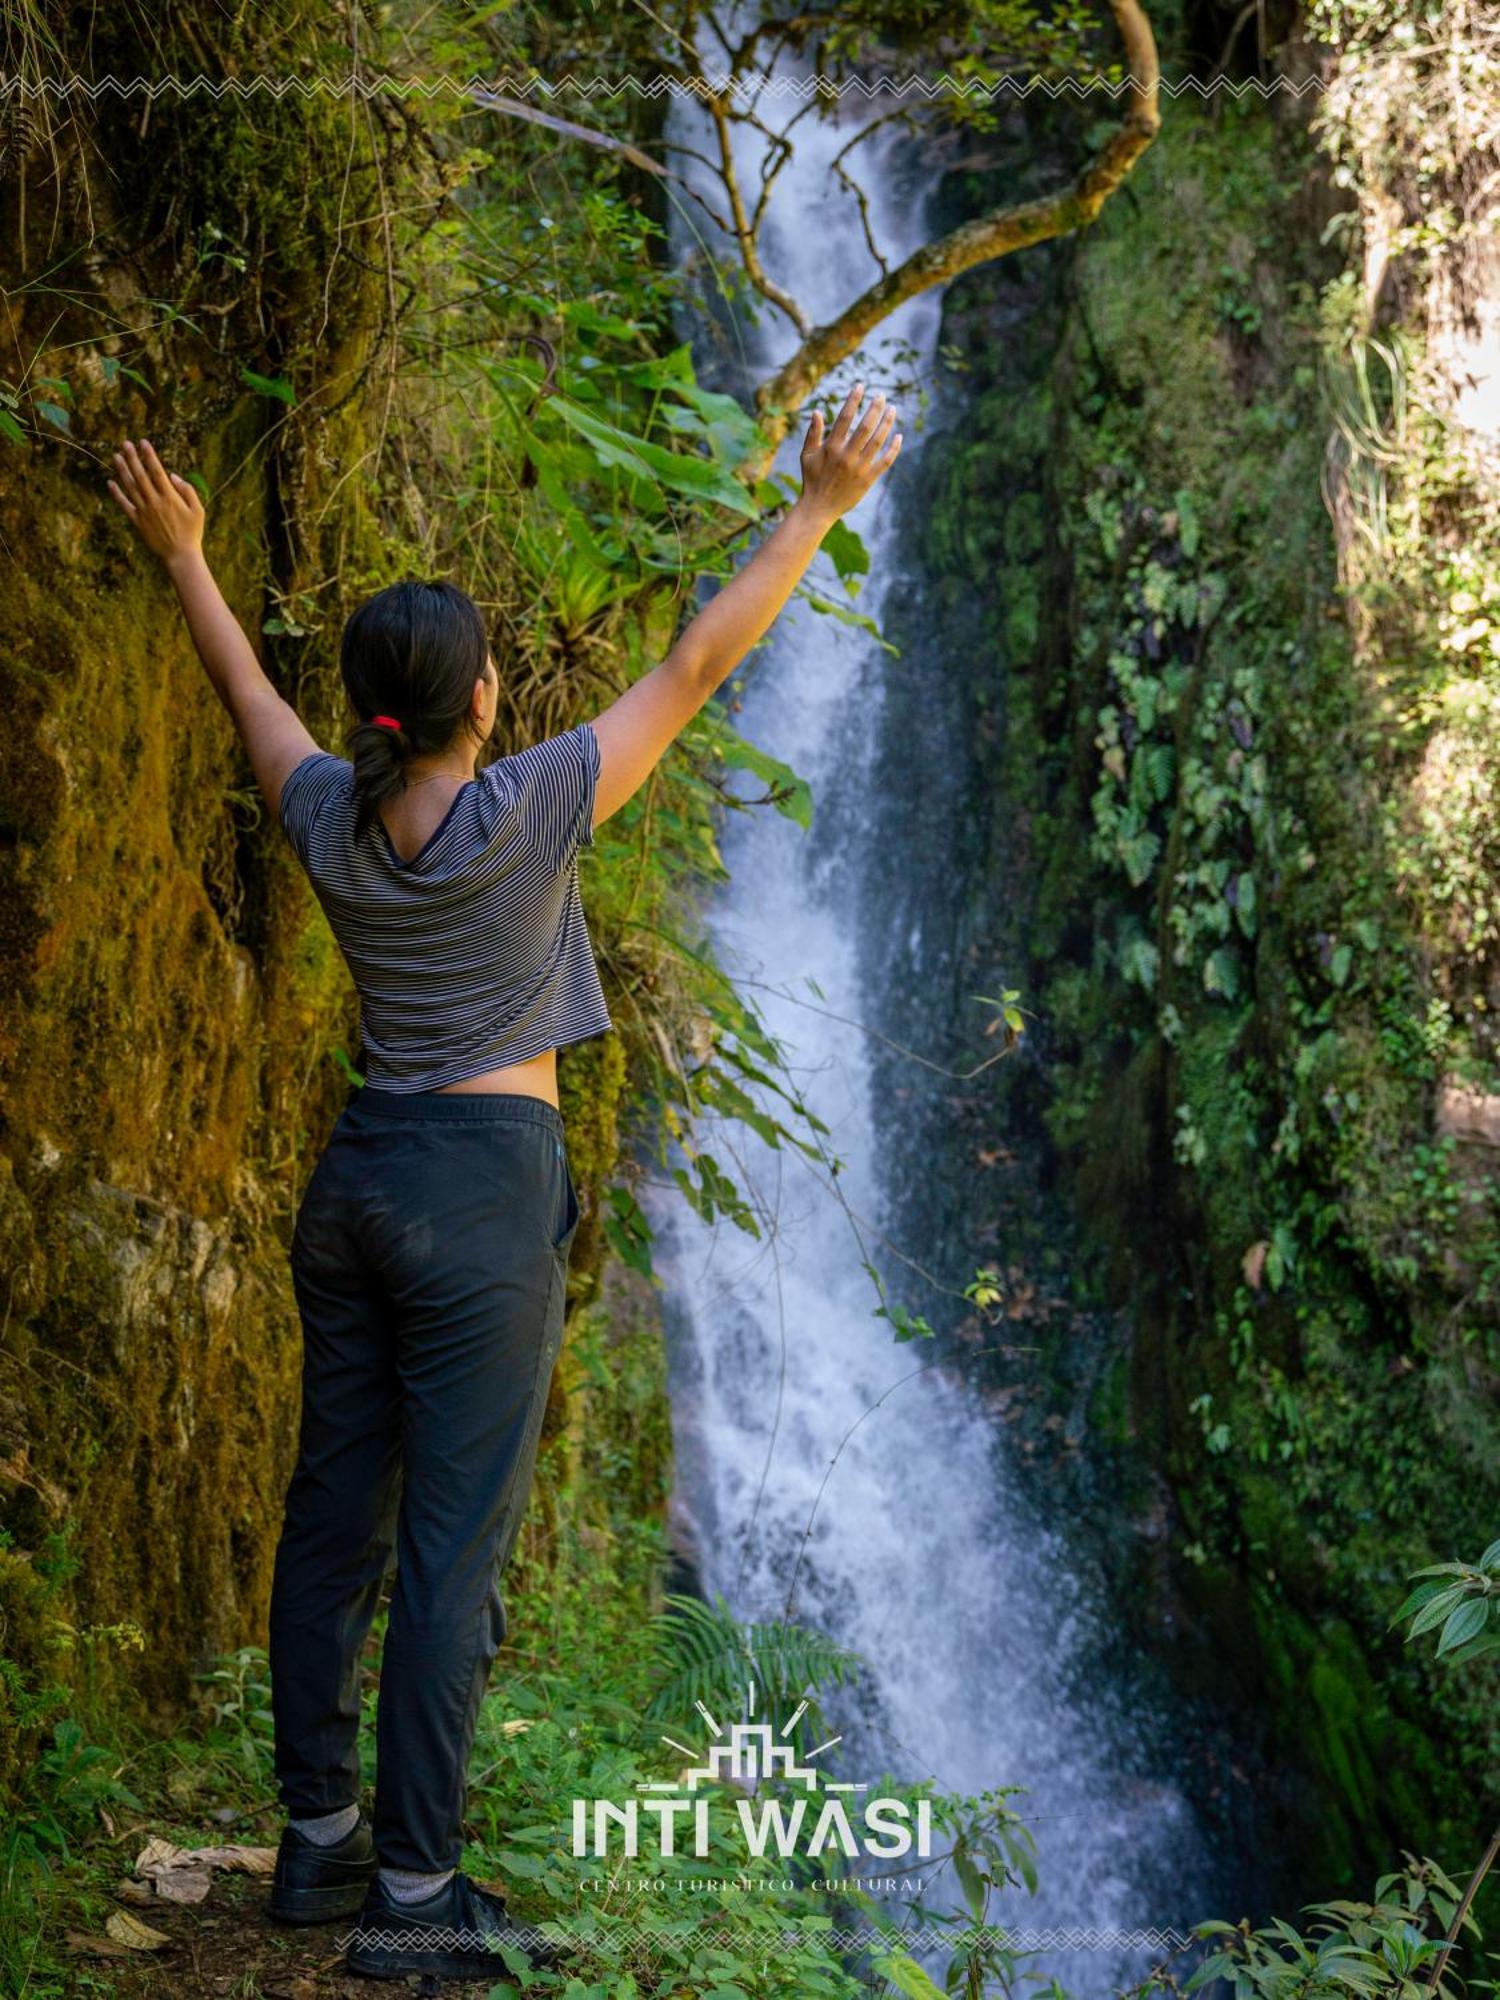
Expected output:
(922, 1555)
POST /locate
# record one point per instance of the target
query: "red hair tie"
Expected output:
(385, 721)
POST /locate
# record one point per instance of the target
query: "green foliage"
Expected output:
(706, 1655)
(239, 1691)
(1460, 1603)
(269, 385)
(558, 1736)
(71, 1779)
(603, 453)
(1387, 1948)
(1252, 859)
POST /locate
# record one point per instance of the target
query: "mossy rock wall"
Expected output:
(1204, 896)
(170, 996)
(176, 1019)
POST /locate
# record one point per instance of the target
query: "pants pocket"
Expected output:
(569, 1210)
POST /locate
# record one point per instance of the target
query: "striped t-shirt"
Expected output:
(473, 953)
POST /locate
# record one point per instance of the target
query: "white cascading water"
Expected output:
(921, 1556)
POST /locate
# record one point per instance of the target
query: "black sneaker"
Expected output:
(456, 1933)
(313, 1885)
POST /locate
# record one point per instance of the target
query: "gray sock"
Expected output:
(405, 1885)
(328, 1827)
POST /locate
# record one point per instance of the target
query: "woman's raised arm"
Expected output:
(167, 514)
(837, 471)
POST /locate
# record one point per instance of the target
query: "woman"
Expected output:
(431, 1246)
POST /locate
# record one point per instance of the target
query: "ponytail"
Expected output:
(410, 655)
(379, 755)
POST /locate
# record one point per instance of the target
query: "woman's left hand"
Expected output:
(164, 508)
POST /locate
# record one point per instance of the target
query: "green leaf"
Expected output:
(715, 1194)
(1140, 961)
(906, 1976)
(1138, 855)
(1477, 1648)
(571, 516)
(1221, 974)
(663, 371)
(55, 415)
(970, 1882)
(627, 1231)
(345, 1067)
(1464, 1624)
(10, 429)
(680, 472)
(1187, 522)
(527, 1866)
(1244, 904)
(847, 552)
(582, 312)
(826, 608)
(730, 428)
(269, 385)
(790, 794)
(907, 1325)
(1434, 1613)
(1338, 967)
(1423, 1594)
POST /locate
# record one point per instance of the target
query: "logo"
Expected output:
(745, 1756)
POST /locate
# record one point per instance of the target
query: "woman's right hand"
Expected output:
(838, 470)
(162, 507)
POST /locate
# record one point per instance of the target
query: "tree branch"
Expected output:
(978, 242)
(746, 231)
(1487, 1861)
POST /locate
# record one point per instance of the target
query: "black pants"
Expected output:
(429, 1262)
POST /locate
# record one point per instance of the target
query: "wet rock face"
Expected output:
(173, 1009)
(1470, 1116)
(170, 1002)
(1323, 1429)
(146, 1390)
(171, 1404)
(161, 1091)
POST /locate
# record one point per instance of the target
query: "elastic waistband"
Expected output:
(462, 1107)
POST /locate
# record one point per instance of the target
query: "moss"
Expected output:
(178, 1024)
(1201, 897)
(596, 1525)
(591, 1088)
(30, 1677)
(1373, 1772)
(1109, 1406)
(171, 993)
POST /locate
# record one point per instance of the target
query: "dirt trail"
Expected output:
(228, 1946)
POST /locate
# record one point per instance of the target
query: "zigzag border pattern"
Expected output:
(279, 86)
(857, 1937)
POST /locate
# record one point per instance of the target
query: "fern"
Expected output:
(705, 1654)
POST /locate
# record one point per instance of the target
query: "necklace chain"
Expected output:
(412, 783)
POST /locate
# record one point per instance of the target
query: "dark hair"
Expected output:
(413, 651)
